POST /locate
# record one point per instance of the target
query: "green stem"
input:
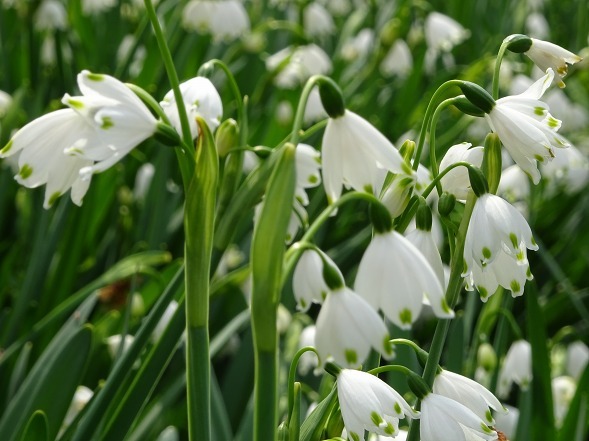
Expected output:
(497, 69)
(292, 376)
(452, 294)
(150, 101)
(300, 115)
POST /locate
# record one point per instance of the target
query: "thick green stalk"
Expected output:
(452, 294)
(199, 225)
(497, 69)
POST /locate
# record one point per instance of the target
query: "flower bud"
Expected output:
(407, 150)
(518, 43)
(478, 182)
(477, 96)
(331, 97)
(227, 137)
(486, 357)
(446, 204)
(331, 275)
(423, 217)
(492, 161)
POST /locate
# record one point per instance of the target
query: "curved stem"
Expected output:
(150, 101)
(300, 114)
(497, 69)
(292, 375)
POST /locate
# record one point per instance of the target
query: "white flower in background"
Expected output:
(443, 419)
(456, 181)
(50, 16)
(394, 276)
(548, 55)
(442, 33)
(525, 127)
(358, 46)
(295, 65)
(567, 172)
(398, 61)
(496, 225)
(577, 358)
(507, 422)
(308, 284)
(563, 391)
(469, 393)
(164, 321)
(5, 103)
(314, 110)
(307, 166)
(537, 26)
(347, 327)
(124, 51)
(143, 180)
(425, 242)
(317, 21)
(95, 7)
(201, 99)
(308, 360)
(398, 192)
(519, 84)
(353, 152)
(114, 342)
(225, 20)
(574, 116)
(516, 368)
(79, 400)
(170, 433)
(514, 185)
(283, 113)
(368, 403)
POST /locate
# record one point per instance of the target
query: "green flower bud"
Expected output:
(478, 182)
(227, 137)
(423, 217)
(477, 96)
(446, 204)
(486, 357)
(492, 161)
(407, 150)
(518, 43)
(465, 106)
(332, 97)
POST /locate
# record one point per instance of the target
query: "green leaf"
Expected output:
(313, 426)
(576, 423)
(37, 428)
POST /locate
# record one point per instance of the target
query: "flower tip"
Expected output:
(86, 173)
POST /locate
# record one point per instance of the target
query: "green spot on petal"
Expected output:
(539, 111)
(553, 122)
(25, 171)
(489, 416)
(303, 303)
(76, 104)
(368, 189)
(313, 179)
(398, 409)
(6, 148)
(528, 274)
(94, 77)
(513, 239)
(486, 429)
(351, 357)
(483, 292)
(515, 286)
(406, 316)
(106, 123)
(520, 256)
(354, 436)
(486, 253)
(54, 197)
(534, 241)
(389, 429)
(539, 158)
(376, 418)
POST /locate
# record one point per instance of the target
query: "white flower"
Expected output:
(317, 21)
(395, 276)
(443, 419)
(368, 403)
(397, 193)
(507, 422)
(442, 33)
(353, 152)
(302, 62)
(496, 226)
(347, 327)
(143, 180)
(314, 110)
(469, 393)
(456, 181)
(226, 20)
(525, 127)
(577, 358)
(547, 55)
(563, 391)
(95, 7)
(50, 15)
(358, 46)
(574, 116)
(425, 242)
(79, 400)
(537, 26)
(307, 165)
(114, 342)
(514, 185)
(201, 99)
(308, 360)
(517, 367)
(308, 284)
(568, 171)
(398, 60)
(5, 103)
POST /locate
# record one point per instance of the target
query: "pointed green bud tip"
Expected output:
(227, 137)
(94, 77)
(381, 219)
(6, 148)
(492, 161)
(423, 217)
(332, 97)
(477, 96)
(407, 149)
(25, 171)
(261, 151)
(446, 204)
(167, 135)
(478, 182)
(331, 275)
(466, 107)
(518, 43)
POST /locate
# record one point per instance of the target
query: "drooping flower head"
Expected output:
(456, 180)
(225, 20)
(547, 55)
(517, 367)
(295, 65)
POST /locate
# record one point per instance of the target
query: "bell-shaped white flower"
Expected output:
(50, 16)
(307, 165)
(506, 423)
(456, 181)
(496, 225)
(398, 61)
(317, 21)
(547, 55)
(514, 185)
(568, 172)
(308, 283)
(5, 103)
(395, 276)
(442, 33)
(577, 359)
(563, 391)
(201, 99)
(517, 367)
(295, 65)
(95, 7)
(359, 45)
(225, 20)
(443, 419)
(347, 327)
(424, 241)
(368, 403)
(469, 393)
(525, 127)
(353, 153)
